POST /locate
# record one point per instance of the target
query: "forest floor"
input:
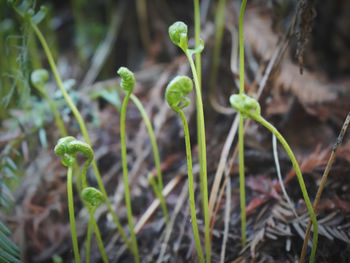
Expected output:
(308, 109)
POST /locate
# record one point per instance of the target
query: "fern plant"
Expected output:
(9, 251)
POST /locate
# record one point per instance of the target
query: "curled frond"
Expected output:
(178, 34)
(39, 77)
(68, 147)
(78, 146)
(128, 79)
(61, 147)
(248, 106)
(92, 196)
(176, 91)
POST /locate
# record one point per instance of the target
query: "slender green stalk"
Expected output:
(250, 108)
(241, 47)
(71, 213)
(175, 94)
(88, 238)
(202, 156)
(197, 74)
(200, 127)
(126, 179)
(99, 239)
(309, 206)
(240, 127)
(82, 126)
(197, 32)
(178, 35)
(155, 154)
(191, 187)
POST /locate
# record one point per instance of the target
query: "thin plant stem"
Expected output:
(309, 206)
(200, 128)
(99, 239)
(71, 213)
(126, 179)
(191, 187)
(202, 157)
(82, 126)
(279, 176)
(241, 47)
(197, 32)
(88, 238)
(240, 127)
(155, 154)
(242, 178)
(323, 182)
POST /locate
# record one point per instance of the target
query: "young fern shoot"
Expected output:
(33, 19)
(39, 78)
(93, 198)
(250, 108)
(68, 148)
(127, 84)
(178, 35)
(175, 94)
(61, 149)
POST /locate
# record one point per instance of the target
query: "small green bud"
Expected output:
(39, 77)
(178, 34)
(92, 196)
(248, 106)
(176, 91)
(128, 79)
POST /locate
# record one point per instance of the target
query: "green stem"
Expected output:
(155, 153)
(242, 179)
(125, 178)
(197, 32)
(241, 47)
(309, 206)
(191, 188)
(82, 126)
(98, 238)
(71, 214)
(202, 156)
(88, 238)
(240, 127)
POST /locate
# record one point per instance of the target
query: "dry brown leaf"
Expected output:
(308, 88)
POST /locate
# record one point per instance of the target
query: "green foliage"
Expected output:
(9, 252)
